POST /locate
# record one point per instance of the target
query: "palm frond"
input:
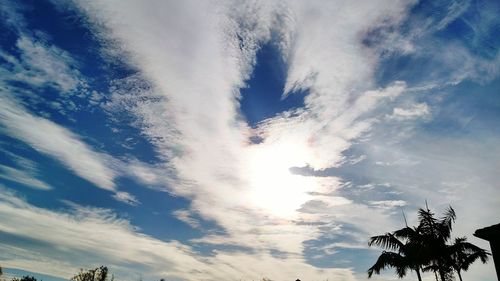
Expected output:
(482, 256)
(427, 221)
(431, 267)
(387, 241)
(386, 260)
(463, 254)
(461, 245)
(407, 233)
(446, 223)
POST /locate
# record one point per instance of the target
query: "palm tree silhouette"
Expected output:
(424, 248)
(435, 233)
(402, 256)
(463, 254)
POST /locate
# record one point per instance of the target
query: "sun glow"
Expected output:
(273, 188)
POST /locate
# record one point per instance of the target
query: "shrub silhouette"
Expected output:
(25, 278)
(96, 274)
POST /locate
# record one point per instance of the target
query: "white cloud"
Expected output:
(38, 65)
(388, 204)
(41, 65)
(442, 62)
(126, 198)
(327, 60)
(22, 177)
(56, 141)
(415, 111)
(455, 9)
(466, 66)
(47, 65)
(12, 15)
(159, 176)
(186, 216)
(25, 172)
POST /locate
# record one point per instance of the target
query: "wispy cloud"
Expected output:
(44, 65)
(186, 216)
(126, 198)
(414, 111)
(87, 230)
(22, 177)
(60, 143)
(54, 140)
(39, 63)
(25, 171)
(24, 79)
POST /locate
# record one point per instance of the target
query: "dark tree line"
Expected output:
(100, 273)
(426, 248)
(97, 274)
(25, 278)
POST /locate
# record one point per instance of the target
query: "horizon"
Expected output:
(241, 140)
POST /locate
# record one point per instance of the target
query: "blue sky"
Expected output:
(227, 140)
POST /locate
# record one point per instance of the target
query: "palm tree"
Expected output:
(462, 254)
(435, 234)
(402, 256)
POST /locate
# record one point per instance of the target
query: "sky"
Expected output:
(241, 140)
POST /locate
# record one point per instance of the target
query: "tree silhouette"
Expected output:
(435, 233)
(463, 254)
(96, 274)
(401, 256)
(25, 278)
(424, 248)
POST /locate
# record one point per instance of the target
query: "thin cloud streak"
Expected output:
(22, 177)
(52, 139)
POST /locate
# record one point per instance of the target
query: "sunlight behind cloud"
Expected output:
(273, 188)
